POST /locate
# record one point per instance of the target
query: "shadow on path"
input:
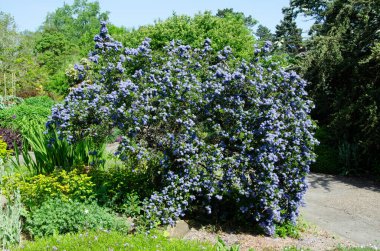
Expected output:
(326, 180)
(348, 207)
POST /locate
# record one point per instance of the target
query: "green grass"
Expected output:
(355, 249)
(293, 231)
(104, 241)
(293, 248)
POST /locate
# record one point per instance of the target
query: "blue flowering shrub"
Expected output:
(213, 128)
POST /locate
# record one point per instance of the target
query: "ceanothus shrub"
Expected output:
(220, 129)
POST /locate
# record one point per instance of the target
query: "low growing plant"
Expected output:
(221, 246)
(11, 137)
(101, 240)
(4, 152)
(35, 190)
(288, 229)
(121, 189)
(35, 109)
(2, 169)
(10, 223)
(132, 205)
(55, 216)
(9, 101)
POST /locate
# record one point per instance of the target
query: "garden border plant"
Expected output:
(213, 128)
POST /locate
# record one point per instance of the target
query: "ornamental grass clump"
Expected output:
(214, 128)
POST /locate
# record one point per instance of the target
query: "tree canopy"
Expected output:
(226, 29)
(342, 63)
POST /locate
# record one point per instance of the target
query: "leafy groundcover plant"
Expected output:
(10, 222)
(217, 130)
(31, 109)
(55, 216)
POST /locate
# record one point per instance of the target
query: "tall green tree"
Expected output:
(249, 21)
(263, 33)
(78, 22)
(9, 40)
(65, 37)
(17, 61)
(288, 36)
(342, 64)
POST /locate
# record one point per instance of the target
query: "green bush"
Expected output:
(37, 189)
(55, 216)
(120, 188)
(3, 149)
(288, 229)
(32, 109)
(10, 223)
(327, 154)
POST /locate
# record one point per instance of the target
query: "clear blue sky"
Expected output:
(29, 14)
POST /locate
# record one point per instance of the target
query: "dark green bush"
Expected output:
(327, 155)
(342, 65)
(117, 186)
(59, 217)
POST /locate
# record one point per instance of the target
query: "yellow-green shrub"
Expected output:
(3, 149)
(60, 184)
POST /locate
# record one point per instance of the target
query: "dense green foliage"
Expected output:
(16, 57)
(34, 190)
(227, 29)
(117, 187)
(32, 110)
(55, 216)
(342, 63)
(288, 36)
(9, 38)
(51, 151)
(65, 36)
(4, 152)
(264, 33)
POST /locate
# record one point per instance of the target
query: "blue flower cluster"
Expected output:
(220, 128)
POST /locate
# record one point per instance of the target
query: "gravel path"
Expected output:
(313, 238)
(345, 206)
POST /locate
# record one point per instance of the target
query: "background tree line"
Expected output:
(340, 59)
